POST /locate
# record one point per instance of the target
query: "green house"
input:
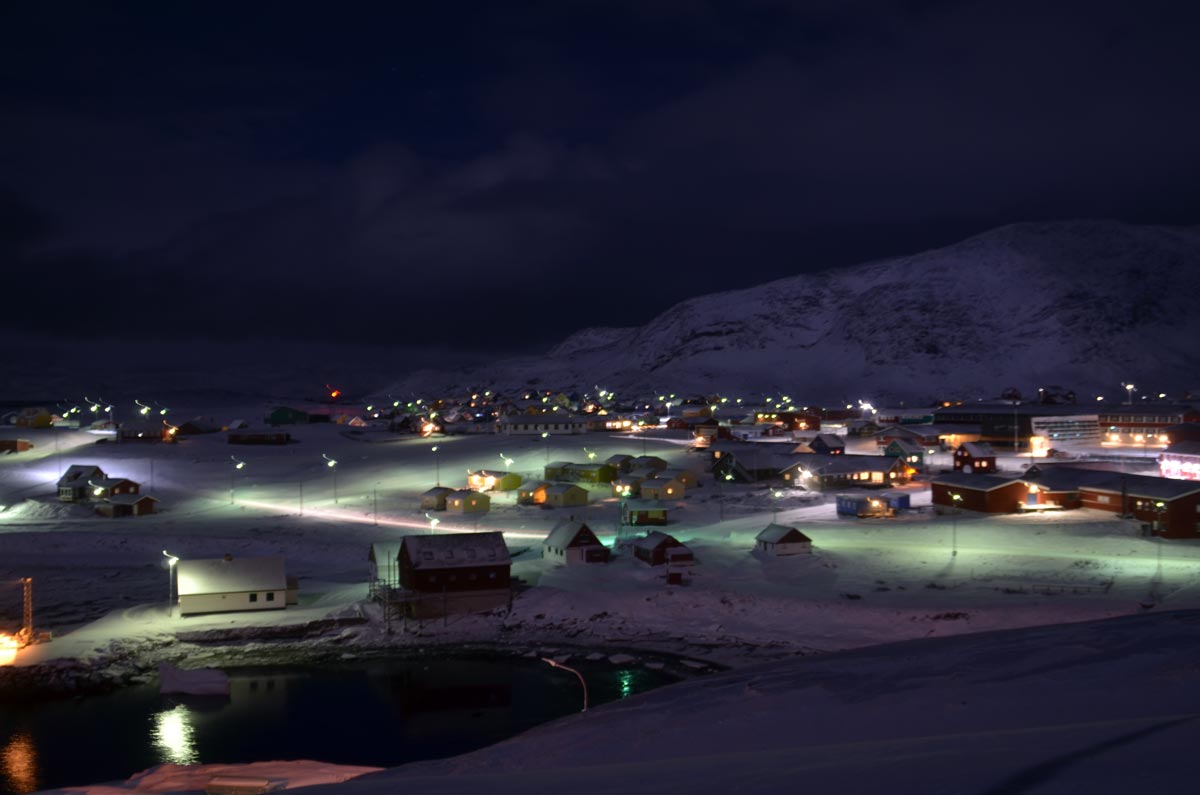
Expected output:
(286, 415)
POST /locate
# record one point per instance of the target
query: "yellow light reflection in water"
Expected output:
(18, 763)
(174, 736)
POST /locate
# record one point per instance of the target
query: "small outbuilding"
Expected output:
(780, 540)
(228, 584)
(571, 542)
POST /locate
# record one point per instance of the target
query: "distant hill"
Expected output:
(1086, 304)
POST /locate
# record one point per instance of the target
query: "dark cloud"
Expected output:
(499, 177)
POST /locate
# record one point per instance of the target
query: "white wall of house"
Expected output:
(192, 604)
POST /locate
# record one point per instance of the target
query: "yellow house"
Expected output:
(468, 501)
(493, 480)
(660, 489)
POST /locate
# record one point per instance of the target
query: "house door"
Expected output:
(1031, 498)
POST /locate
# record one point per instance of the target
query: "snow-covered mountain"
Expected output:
(1085, 304)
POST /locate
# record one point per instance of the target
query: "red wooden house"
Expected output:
(975, 457)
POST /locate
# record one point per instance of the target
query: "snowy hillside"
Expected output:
(1084, 304)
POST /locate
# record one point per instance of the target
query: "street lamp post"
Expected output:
(546, 444)
(956, 498)
(332, 464)
(437, 465)
(233, 473)
(556, 664)
(171, 561)
(1129, 390)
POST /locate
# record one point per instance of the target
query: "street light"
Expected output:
(437, 465)
(1129, 390)
(546, 444)
(556, 664)
(956, 499)
(433, 522)
(233, 472)
(143, 409)
(171, 561)
(332, 464)
(508, 462)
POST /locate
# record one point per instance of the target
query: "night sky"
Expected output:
(497, 175)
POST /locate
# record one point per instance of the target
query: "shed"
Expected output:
(658, 549)
(222, 585)
(780, 540)
(571, 542)
(435, 498)
(468, 501)
(15, 445)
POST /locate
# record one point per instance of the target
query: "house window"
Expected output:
(270, 596)
(1102, 499)
(491, 575)
(253, 597)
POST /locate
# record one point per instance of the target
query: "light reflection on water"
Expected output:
(18, 763)
(174, 736)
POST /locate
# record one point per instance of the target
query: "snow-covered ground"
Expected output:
(101, 585)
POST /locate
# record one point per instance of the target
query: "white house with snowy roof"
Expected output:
(229, 584)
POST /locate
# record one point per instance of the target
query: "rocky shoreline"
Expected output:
(336, 640)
